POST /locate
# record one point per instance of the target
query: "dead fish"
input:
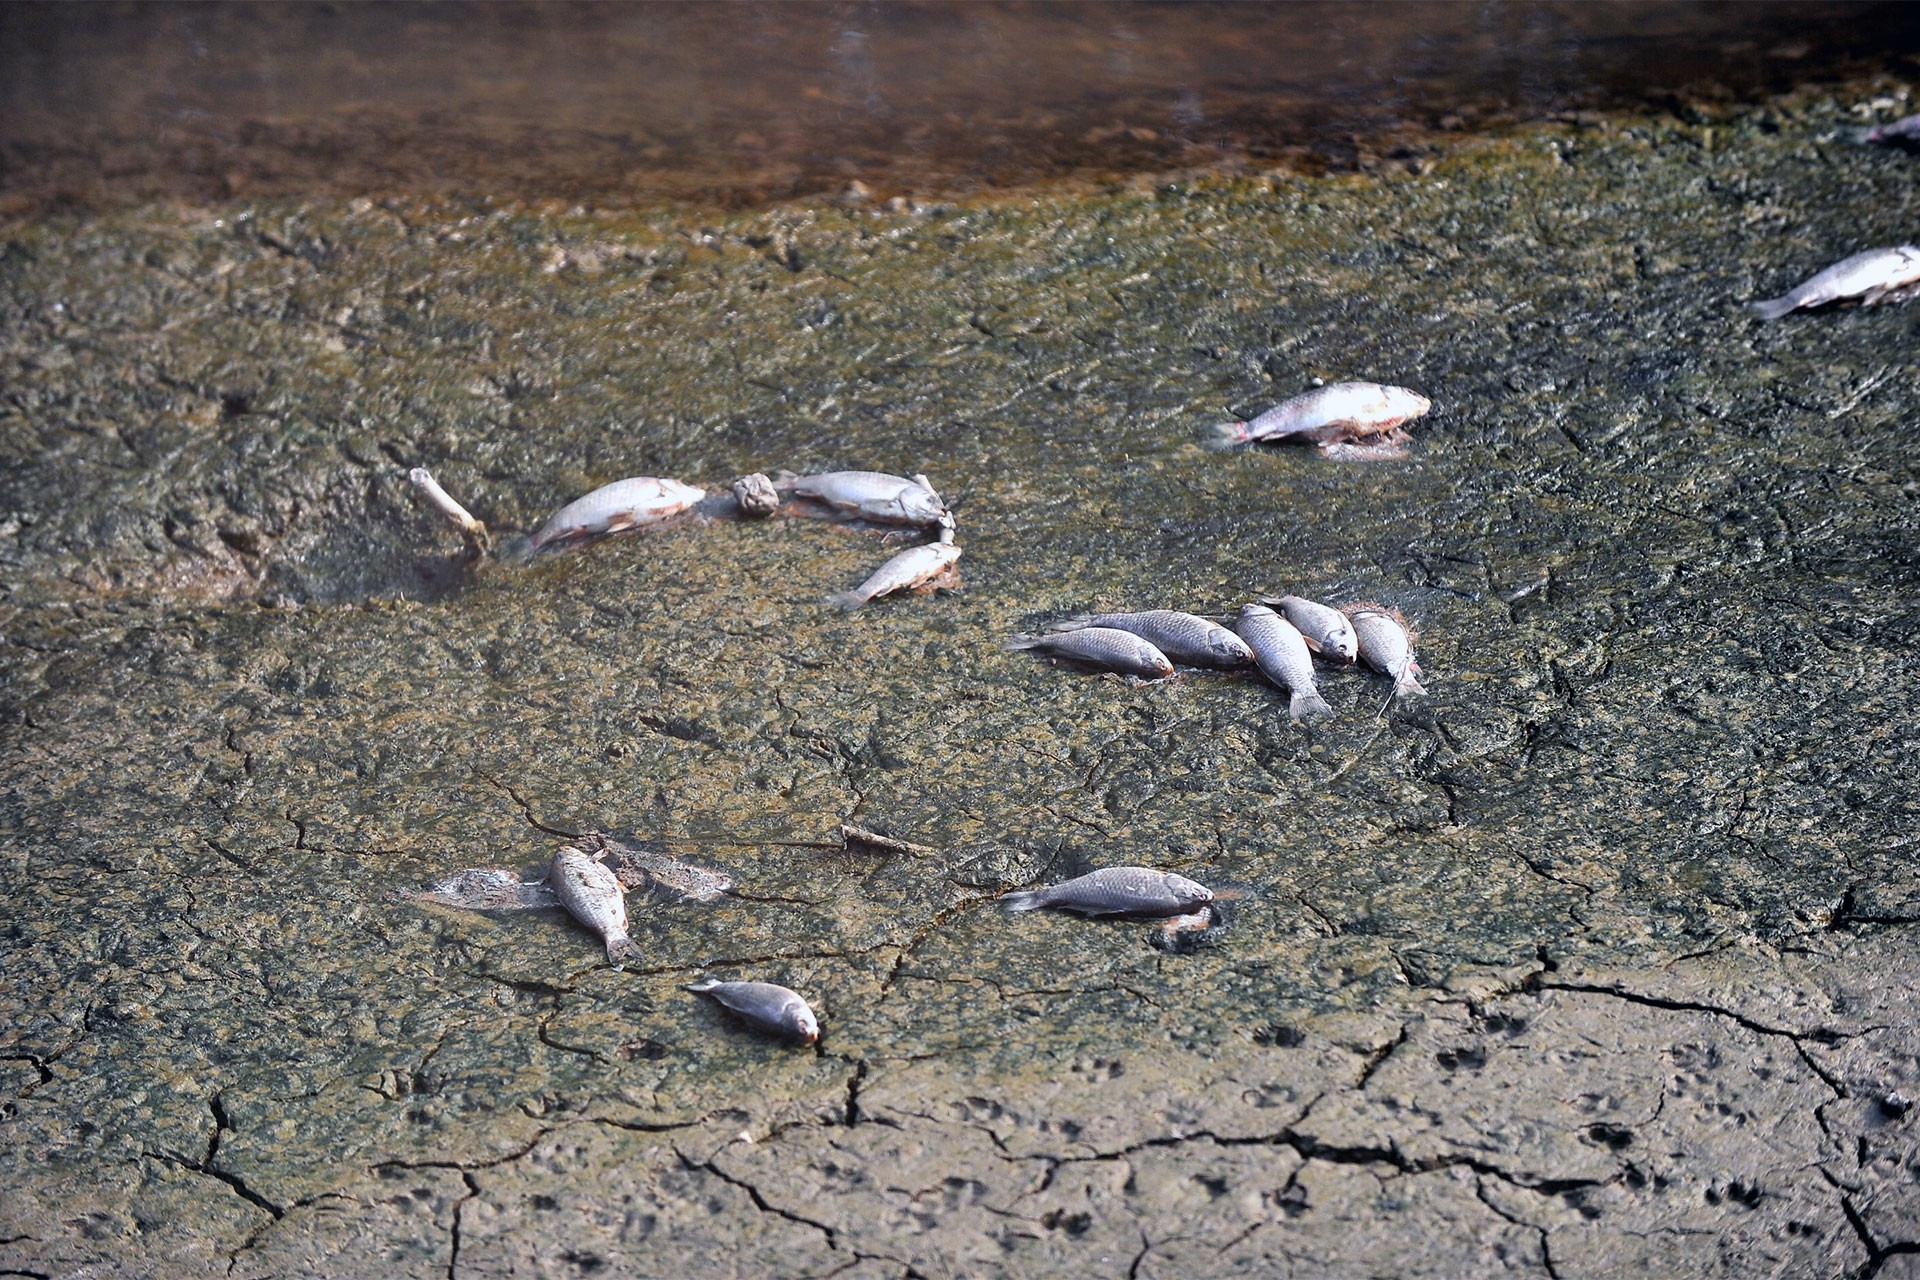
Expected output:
(914, 567)
(591, 894)
(1282, 655)
(1108, 648)
(1326, 630)
(1878, 275)
(633, 867)
(490, 889)
(1386, 645)
(1904, 132)
(1183, 637)
(1115, 891)
(875, 495)
(772, 1009)
(1364, 414)
(756, 495)
(624, 504)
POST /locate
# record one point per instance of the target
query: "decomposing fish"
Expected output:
(1115, 891)
(772, 1009)
(1327, 630)
(624, 504)
(915, 567)
(1386, 645)
(1878, 275)
(634, 867)
(1282, 656)
(490, 889)
(1360, 420)
(591, 894)
(1105, 647)
(1904, 132)
(877, 496)
(756, 495)
(1183, 637)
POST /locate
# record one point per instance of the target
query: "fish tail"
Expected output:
(705, 984)
(847, 600)
(1022, 900)
(1773, 308)
(1224, 435)
(1021, 642)
(1406, 685)
(620, 950)
(1308, 704)
(1075, 623)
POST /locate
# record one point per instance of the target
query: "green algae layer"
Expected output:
(1599, 960)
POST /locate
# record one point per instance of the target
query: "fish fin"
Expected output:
(1308, 704)
(847, 600)
(1773, 308)
(1223, 435)
(1021, 900)
(1406, 684)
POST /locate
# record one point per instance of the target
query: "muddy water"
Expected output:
(740, 103)
(1599, 959)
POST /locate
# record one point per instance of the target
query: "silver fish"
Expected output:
(1326, 629)
(1183, 637)
(1904, 132)
(624, 504)
(916, 566)
(875, 495)
(1282, 655)
(1115, 891)
(1878, 275)
(589, 891)
(1332, 415)
(772, 1009)
(1386, 645)
(1105, 647)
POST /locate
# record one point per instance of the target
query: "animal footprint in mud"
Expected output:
(972, 1109)
(1098, 1068)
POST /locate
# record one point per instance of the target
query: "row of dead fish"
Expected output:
(580, 880)
(871, 498)
(1280, 645)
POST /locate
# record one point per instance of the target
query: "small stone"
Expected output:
(756, 495)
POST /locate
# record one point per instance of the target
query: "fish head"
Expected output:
(922, 506)
(806, 1027)
(1407, 404)
(1342, 642)
(1188, 891)
(1227, 648)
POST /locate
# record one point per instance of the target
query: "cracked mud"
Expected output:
(1599, 961)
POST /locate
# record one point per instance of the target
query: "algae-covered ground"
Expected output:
(1600, 960)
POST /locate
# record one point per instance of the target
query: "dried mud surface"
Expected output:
(1599, 961)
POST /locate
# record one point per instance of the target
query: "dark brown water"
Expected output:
(745, 102)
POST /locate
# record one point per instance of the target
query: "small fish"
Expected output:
(1325, 628)
(772, 1009)
(914, 567)
(1105, 647)
(1282, 655)
(589, 891)
(1386, 645)
(1115, 891)
(1364, 416)
(1904, 132)
(1878, 275)
(875, 495)
(1183, 637)
(624, 504)
(634, 867)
